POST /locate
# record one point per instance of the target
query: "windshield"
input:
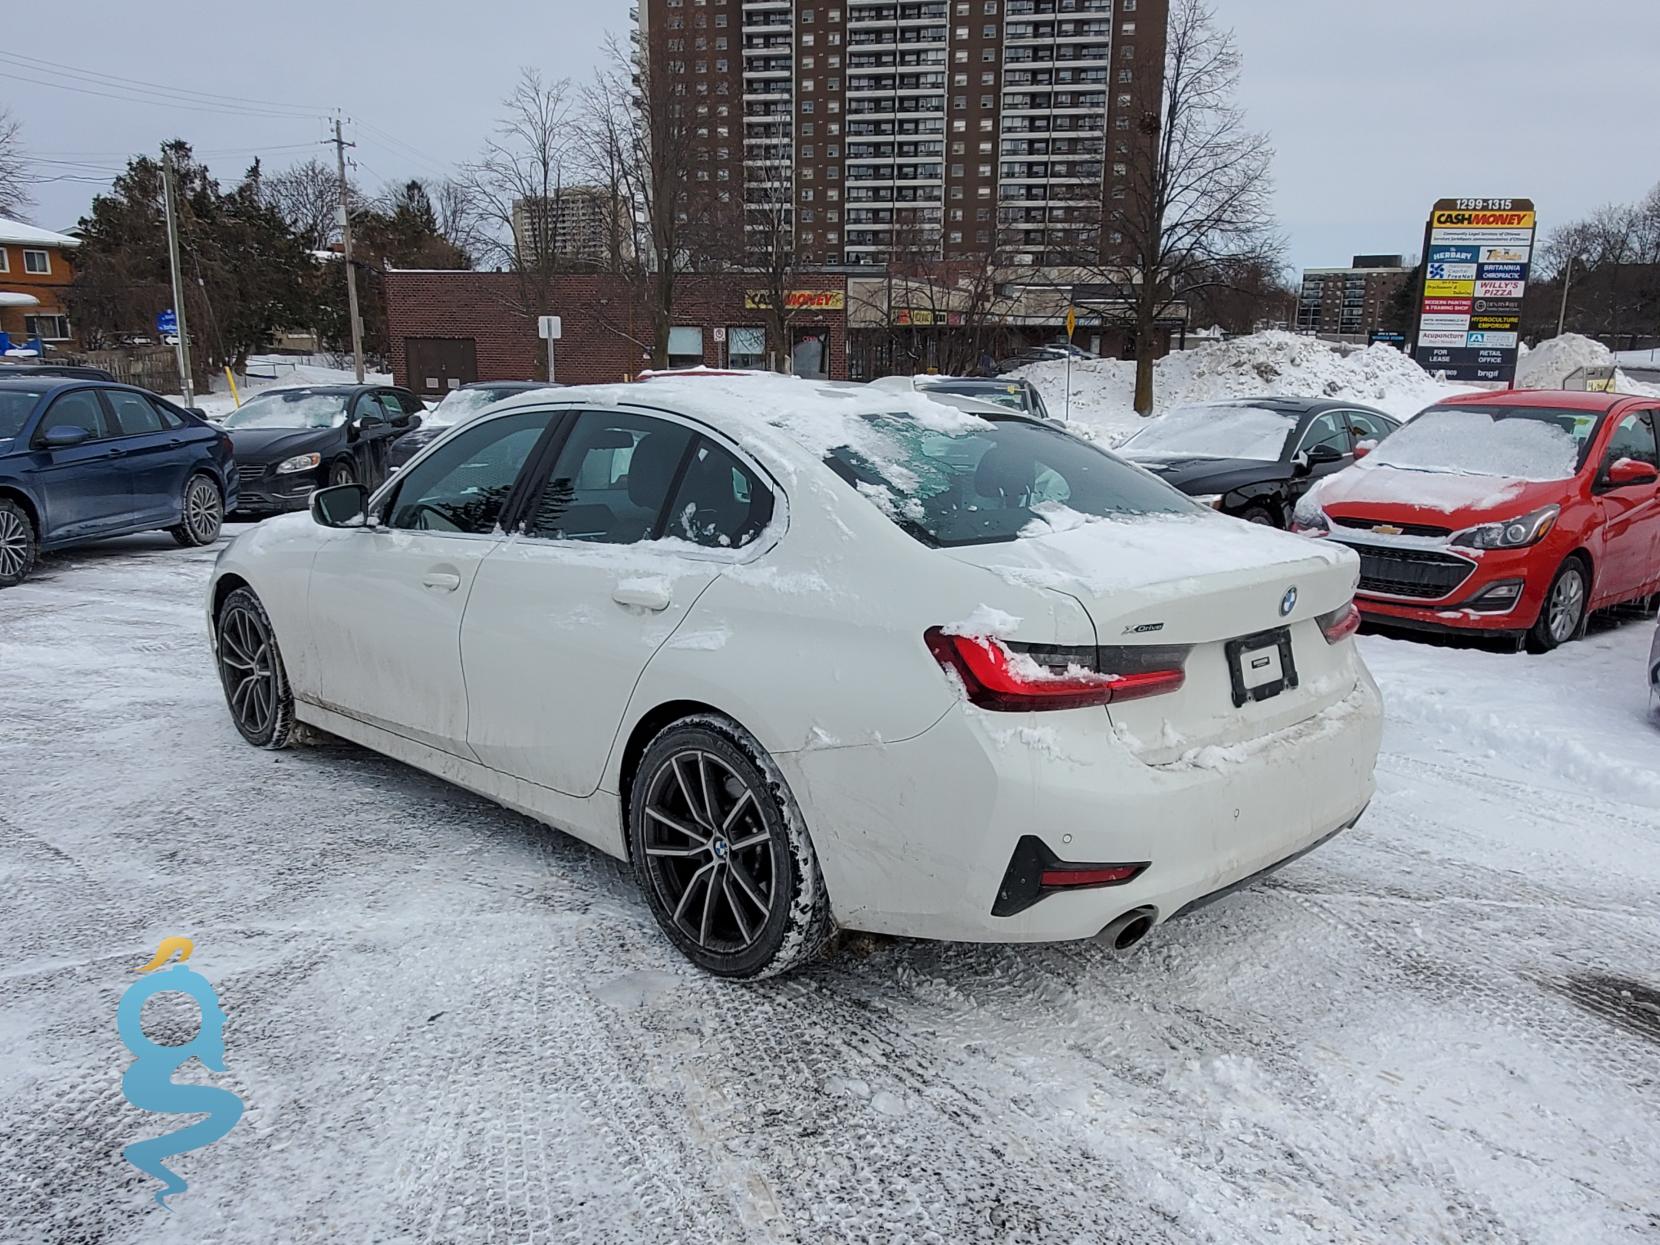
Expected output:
(1000, 479)
(292, 408)
(1517, 442)
(15, 405)
(1216, 432)
(1011, 397)
(460, 405)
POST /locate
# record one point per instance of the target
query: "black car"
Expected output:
(1254, 457)
(1015, 395)
(291, 441)
(457, 407)
(81, 460)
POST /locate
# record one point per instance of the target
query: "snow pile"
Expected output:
(1549, 363)
(1263, 364)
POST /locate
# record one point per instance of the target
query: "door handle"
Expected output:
(642, 595)
(441, 581)
(114, 453)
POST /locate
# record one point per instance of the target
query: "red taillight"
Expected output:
(1340, 624)
(998, 678)
(1105, 875)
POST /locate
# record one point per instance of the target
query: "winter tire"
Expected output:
(17, 544)
(1260, 515)
(203, 513)
(342, 473)
(1562, 617)
(722, 854)
(251, 669)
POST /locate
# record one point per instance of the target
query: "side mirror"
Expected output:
(407, 423)
(1317, 454)
(370, 420)
(1624, 473)
(64, 436)
(341, 505)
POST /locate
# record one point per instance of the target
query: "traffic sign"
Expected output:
(1071, 322)
(549, 328)
(167, 321)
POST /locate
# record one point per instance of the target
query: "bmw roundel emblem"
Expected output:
(1288, 602)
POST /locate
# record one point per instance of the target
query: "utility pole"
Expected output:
(340, 145)
(169, 193)
(1567, 279)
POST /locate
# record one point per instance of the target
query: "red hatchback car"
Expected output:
(1513, 513)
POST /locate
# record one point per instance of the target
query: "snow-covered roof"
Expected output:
(17, 233)
(775, 416)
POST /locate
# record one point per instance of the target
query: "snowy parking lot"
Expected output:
(451, 1024)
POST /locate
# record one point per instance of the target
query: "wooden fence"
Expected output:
(155, 368)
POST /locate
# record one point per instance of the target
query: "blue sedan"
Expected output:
(82, 460)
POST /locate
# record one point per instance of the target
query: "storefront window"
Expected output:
(746, 347)
(685, 346)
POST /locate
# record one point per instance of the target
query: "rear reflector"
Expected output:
(1340, 624)
(1034, 872)
(1107, 875)
(999, 676)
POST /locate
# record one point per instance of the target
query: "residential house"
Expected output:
(35, 272)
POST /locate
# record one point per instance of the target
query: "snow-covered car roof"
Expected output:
(776, 416)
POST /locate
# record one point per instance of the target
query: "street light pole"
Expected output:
(169, 192)
(340, 145)
(1567, 280)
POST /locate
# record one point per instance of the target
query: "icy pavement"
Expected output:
(450, 1024)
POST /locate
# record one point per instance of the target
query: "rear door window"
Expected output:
(612, 479)
(133, 413)
(1367, 427)
(720, 503)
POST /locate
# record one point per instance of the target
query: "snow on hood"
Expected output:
(1096, 557)
(1441, 491)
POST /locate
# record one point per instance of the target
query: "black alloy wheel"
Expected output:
(17, 544)
(203, 513)
(251, 669)
(721, 853)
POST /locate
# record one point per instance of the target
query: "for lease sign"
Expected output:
(1476, 254)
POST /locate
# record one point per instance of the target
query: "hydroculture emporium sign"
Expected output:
(1476, 257)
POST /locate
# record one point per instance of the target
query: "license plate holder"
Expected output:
(1260, 666)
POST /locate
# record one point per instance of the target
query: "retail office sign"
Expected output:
(1476, 258)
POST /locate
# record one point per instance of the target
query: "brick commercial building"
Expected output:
(1352, 301)
(448, 327)
(894, 127)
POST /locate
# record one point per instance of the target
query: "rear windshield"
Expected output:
(996, 479)
(1011, 396)
(1518, 442)
(15, 405)
(1253, 432)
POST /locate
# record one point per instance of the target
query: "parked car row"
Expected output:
(1513, 514)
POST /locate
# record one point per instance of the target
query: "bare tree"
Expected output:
(1614, 285)
(523, 166)
(307, 197)
(14, 167)
(645, 125)
(1194, 204)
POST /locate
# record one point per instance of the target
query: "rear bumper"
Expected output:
(915, 838)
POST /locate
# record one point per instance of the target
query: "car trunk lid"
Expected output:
(1244, 601)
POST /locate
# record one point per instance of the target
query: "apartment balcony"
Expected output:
(766, 72)
(761, 23)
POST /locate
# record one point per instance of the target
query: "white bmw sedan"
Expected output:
(814, 657)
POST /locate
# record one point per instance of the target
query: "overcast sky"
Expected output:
(1376, 109)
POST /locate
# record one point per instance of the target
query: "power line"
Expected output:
(130, 97)
(41, 65)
